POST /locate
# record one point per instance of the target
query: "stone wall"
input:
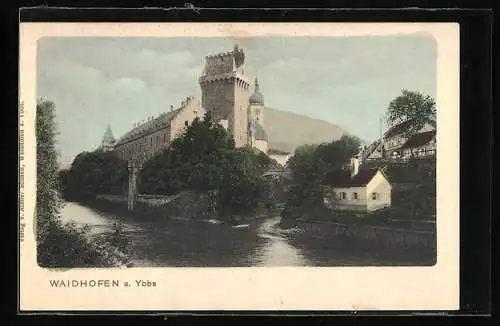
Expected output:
(186, 205)
(371, 236)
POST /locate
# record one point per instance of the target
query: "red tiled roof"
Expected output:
(342, 178)
(420, 139)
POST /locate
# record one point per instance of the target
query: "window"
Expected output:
(186, 123)
(343, 195)
(151, 141)
(374, 196)
(355, 195)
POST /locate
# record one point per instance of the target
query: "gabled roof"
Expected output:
(342, 178)
(398, 129)
(420, 139)
(403, 127)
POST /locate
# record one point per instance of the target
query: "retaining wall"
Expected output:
(370, 236)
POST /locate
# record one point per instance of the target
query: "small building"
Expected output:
(355, 189)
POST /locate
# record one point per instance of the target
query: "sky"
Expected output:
(347, 81)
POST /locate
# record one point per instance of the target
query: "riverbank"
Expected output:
(376, 235)
(382, 246)
(144, 212)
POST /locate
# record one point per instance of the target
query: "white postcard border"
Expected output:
(255, 288)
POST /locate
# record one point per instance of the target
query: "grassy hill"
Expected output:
(286, 131)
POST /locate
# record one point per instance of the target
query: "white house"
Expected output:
(355, 189)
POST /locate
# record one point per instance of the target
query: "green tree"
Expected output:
(203, 159)
(414, 107)
(94, 173)
(58, 245)
(47, 201)
(309, 166)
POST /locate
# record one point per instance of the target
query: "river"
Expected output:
(193, 243)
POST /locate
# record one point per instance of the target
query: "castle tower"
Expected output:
(225, 92)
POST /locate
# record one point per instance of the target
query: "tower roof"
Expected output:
(256, 97)
(260, 133)
(108, 137)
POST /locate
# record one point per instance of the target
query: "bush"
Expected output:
(58, 245)
(93, 173)
(309, 166)
(65, 246)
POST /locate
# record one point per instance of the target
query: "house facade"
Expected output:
(397, 144)
(357, 190)
(420, 145)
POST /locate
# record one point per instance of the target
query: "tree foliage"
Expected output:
(309, 166)
(204, 158)
(47, 201)
(58, 244)
(414, 107)
(92, 173)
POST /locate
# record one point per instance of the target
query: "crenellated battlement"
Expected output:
(219, 55)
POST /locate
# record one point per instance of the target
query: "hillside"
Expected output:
(286, 131)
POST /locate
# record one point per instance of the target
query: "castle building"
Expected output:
(225, 94)
(150, 137)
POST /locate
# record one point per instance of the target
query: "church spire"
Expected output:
(108, 139)
(257, 97)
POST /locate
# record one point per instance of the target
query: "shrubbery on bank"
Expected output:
(58, 245)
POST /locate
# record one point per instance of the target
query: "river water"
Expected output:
(178, 243)
(193, 243)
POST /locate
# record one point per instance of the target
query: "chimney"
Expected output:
(354, 166)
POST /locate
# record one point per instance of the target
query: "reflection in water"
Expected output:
(276, 251)
(193, 243)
